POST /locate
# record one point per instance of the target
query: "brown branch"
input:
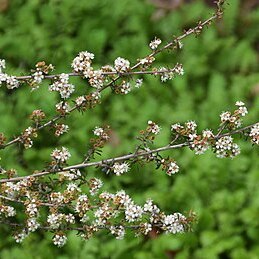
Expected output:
(120, 158)
(154, 53)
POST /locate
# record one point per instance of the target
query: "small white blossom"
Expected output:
(125, 87)
(118, 231)
(95, 184)
(254, 134)
(80, 100)
(225, 116)
(121, 64)
(239, 103)
(32, 224)
(32, 209)
(54, 220)
(173, 223)
(70, 218)
(98, 131)
(19, 237)
(207, 134)
(155, 43)
(153, 127)
(2, 64)
(62, 107)
(11, 82)
(226, 148)
(139, 83)
(147, 227)
(133, 212)
(38, 77)
(61, 129)
(120, 169)
(63, 86)
(72, 187)
(172, 168)
(61, 155)
(59, 240)
(243, 110)
(82, 62)
(8, 211)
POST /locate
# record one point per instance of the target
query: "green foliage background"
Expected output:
(221, 66)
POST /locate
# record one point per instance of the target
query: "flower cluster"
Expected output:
(121, 65)
(60, 156)
(63, 86)
(60, 129)
(254, 134)
(168, 74)
(234, 120)
(225, 147)
(155, 43)
(42, 69)
(82, 63)
(120, 169)
(59, 239)
(62, 108)
(27, 135)
(37, 116)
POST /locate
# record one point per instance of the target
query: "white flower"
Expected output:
(98, 131)
(63, 86)
(146, 228)
(54, 220)
(179, 70)
(32, 224)
(207, 134)
(191, 125)
(95, 184)
(62, 107)
(243, 110)
(38, 77)
(82, 62)
(254, 134)
(2, 64)
(239, 103)
(173, 223)
(153, 127)
(225, 116)
(32, 209)
(61, 129)
(121, 64)
(172, 168)
(148, 206)
(120, 169)
(59, 240)
(19, 237)
(72, 187)
(61, 155)
(125, 87)
(139, 83)
(11, 82)
(80, 100)
(226, 148)
(155, 43)
(118, 231)
(70, 218)
(133, 212)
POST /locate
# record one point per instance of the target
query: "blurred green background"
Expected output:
(221, 67)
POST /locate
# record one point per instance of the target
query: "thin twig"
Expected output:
(120, 158)
(154, 53)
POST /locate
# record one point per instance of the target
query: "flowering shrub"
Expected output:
(68, 199)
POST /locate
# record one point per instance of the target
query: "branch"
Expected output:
(154, 53)
(120, 158)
